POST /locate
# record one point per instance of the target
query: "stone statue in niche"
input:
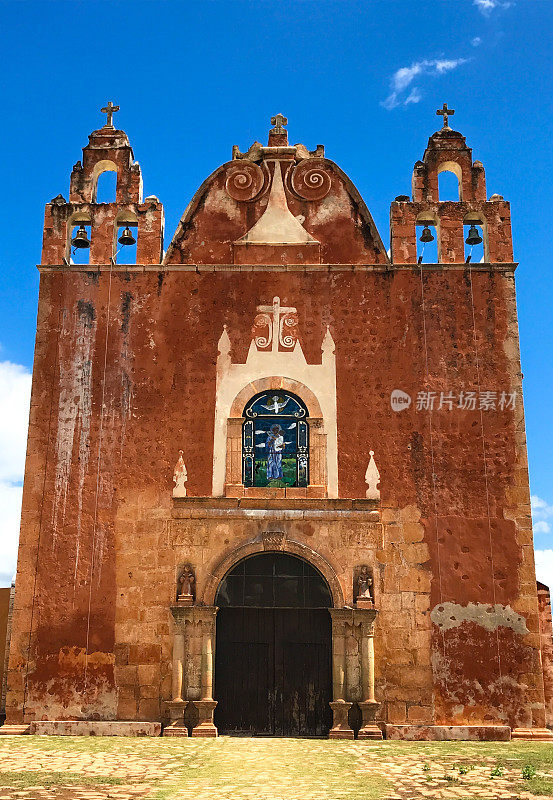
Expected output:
(180, 476)
(186, 586)
(364, 588)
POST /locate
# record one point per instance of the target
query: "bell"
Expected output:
(126, 237)
(80, 239)
(473, 237)
(426, 235)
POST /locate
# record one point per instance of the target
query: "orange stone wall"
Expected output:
(125, 377)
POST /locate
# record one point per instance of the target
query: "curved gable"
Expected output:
(277, 205)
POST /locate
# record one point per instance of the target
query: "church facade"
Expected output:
(276, 477)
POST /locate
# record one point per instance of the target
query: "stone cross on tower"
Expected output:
(445, 112)
(278, 121)
(110, 110)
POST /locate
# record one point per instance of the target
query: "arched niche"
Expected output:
(318, 481)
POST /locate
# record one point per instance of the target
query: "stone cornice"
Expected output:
(273, 508)
(307, 268)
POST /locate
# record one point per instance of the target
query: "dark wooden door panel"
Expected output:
(273, 671)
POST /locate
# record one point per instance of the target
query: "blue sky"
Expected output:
(194, 78)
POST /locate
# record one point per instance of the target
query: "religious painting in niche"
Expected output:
(275, 441)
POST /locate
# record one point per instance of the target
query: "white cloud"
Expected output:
(403, 78)
(544, 566)
(540, 508)
(476, 42)
(15, 394)
(414, 96)
(487, 6)
(541, 526)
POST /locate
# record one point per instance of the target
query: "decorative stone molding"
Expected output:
(309, 179)
(273, 540)
(219, 569)
(180, 476)
(275, 361)
(343, 621)
(372, 479)
(246, 181)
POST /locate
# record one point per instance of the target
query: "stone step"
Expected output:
(94, 728)
(14, 730)
(174, 730)
(535, 734)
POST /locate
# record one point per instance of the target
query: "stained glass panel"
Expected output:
(275, 441)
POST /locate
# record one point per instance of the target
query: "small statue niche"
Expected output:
(186, 585)
(363, 586)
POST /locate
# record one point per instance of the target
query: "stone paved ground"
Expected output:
(94, 768)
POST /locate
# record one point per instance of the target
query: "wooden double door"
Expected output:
(273, 671)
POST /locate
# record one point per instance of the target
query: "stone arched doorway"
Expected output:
(273, 657)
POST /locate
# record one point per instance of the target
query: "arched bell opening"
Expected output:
(125, 238)
(79, 235)
(475, 238)
(273, 652)
(427, 239)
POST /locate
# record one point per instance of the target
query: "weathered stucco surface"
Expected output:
(125, 377)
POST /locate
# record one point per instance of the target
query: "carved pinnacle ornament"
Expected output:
(110, 110)
(445, 112)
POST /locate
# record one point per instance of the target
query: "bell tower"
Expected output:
(447, 151)
(108, 150)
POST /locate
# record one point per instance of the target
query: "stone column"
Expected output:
(177, 706)
(178, 664)
(365, 618)
(205, 615)
(340, 707)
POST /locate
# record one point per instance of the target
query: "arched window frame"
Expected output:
(318, 479)
(244, 573)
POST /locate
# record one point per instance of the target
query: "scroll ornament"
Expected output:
(245, 181)
(309, 180)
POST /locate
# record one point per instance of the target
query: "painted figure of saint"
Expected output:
(275, 446)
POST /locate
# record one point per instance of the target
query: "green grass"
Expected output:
(23, 779)
(288, 769)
